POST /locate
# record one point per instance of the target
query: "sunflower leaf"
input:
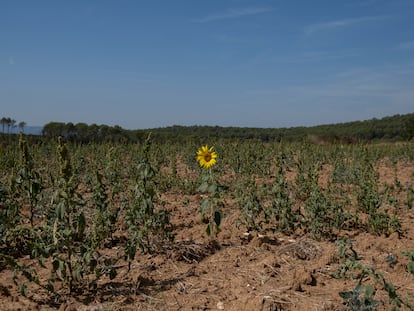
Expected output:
(212, 188)
(203, 187)
(205, 204)
(208, 229)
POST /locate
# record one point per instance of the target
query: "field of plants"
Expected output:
(205, 225)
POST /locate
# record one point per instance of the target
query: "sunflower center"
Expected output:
(207, 157)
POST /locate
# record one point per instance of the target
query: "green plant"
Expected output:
(410, 196)
(23, 190)
(371, 201)
(28, 180)
(30, 274)
(104, 221)
(281, 209)
(410, 265)
(349, 259)
(63, 238)
(251, 209)
(350, 264)
(74, 257)
(211, 206)
(323, 213)
(357, 302)
(69, 223)
(9, 212)
(147, 226)
(382, 223)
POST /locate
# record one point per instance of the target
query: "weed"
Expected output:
(148, 227)
(410, 265)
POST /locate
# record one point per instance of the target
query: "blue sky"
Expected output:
(145, 64)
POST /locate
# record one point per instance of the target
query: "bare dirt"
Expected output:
(237, 270)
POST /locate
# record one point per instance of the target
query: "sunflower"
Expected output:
(206, 156)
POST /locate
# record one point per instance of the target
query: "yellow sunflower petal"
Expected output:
(206, 156)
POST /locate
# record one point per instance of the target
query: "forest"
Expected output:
(392, 128)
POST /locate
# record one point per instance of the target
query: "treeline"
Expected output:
(10, 124)
(83, 133)
(393, 128)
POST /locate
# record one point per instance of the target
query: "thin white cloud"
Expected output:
(384, 82)
(355, 94)
(408, 45)
(270, 57)
(321, 56)
(340, 23)
(232, 13)
(367, 2)
(11, 60)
